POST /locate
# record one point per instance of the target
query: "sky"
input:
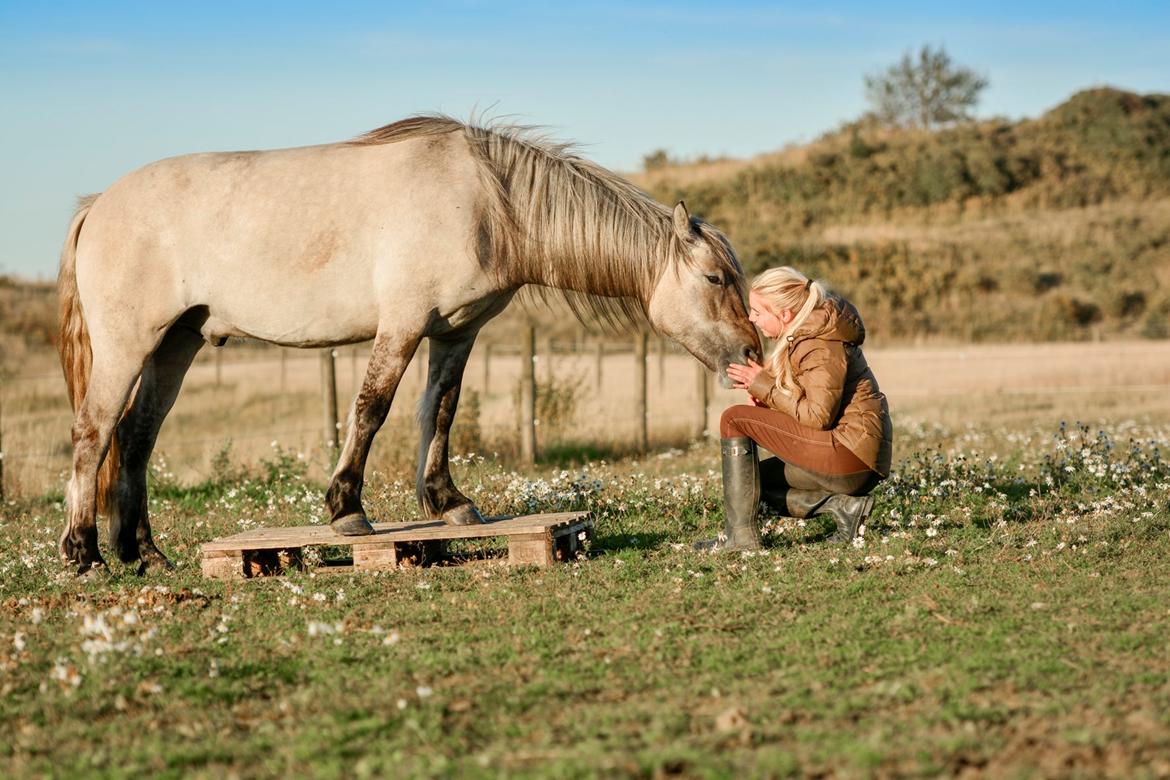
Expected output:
(91, 91)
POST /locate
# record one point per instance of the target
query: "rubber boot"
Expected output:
(741, 498)
(849, 512)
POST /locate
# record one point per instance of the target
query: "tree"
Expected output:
(655, 160)
(924, 91)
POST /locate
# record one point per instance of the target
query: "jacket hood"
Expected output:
(835, 319)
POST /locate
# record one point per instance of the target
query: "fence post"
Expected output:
(640, 357)
(598, 359)
(487, 368)
(283, 370)
(661, 362)
(528, 396)
(1, 442)
(329, 391)
(353, 372)
(701, 391)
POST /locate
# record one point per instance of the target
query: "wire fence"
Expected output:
(250, 397)
(619, 394)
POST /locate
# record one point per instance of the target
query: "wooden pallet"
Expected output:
(532, 539)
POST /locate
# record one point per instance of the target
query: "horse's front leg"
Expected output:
(388, 360)
(437, 495)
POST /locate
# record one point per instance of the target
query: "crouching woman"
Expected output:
(815, 404)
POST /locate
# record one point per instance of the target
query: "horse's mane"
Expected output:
(555, 216)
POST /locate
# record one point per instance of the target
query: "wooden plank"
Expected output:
(533, 549)
(532, 539)
(375, 558)
(304, 536)
(227, 567)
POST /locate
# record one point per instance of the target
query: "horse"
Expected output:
(424, 228)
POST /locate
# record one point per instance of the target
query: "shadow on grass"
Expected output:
(578, 453)
(651, 540)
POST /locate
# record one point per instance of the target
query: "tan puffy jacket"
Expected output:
(835, 389)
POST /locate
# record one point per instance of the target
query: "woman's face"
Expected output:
(770, 322)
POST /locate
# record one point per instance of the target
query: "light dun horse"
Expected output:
(423, 228)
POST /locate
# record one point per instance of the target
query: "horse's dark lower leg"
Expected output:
(437, 495)
(388, 360)
(93, 429)
(79, 541)
(158, 389)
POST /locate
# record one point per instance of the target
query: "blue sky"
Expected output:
(93, 90)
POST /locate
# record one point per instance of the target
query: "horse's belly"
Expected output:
(293, 315)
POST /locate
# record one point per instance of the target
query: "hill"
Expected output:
(1050, 228)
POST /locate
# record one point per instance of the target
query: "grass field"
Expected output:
(1005, 614)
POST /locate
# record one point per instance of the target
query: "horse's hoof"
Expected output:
(82, 552)
(154, 560)
(464, 514)
(93, 572)
(352, 525)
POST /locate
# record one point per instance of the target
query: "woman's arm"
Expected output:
(818, 374)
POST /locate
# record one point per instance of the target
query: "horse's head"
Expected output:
(699, 298)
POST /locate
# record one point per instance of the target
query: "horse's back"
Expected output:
(292, 245)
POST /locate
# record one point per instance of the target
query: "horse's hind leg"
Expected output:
(110, 382)
(437, 494)
(388, 361)
(137, 433)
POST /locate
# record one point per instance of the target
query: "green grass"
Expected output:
(1019, 630)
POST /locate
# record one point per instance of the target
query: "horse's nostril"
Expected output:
(751, 354)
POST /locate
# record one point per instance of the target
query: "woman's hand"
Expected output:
(742, 375)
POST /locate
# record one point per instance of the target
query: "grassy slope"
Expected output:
(1052, 228)
(980, 625)
(1046, 229)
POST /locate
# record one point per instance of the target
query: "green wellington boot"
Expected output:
(741, 498)
(849, 512)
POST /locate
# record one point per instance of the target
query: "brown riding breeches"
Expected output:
(812, 458)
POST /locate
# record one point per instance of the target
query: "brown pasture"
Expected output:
(258, 401)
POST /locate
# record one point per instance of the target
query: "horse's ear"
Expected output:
(682, 222)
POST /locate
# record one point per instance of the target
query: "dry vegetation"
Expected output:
(1003, 615)
(1049, 229)
(252, 407)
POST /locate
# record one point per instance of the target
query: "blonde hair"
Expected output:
(787, 288)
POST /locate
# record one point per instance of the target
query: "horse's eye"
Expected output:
(714, 279)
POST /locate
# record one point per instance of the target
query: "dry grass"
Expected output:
(251, 407)
(975, 224)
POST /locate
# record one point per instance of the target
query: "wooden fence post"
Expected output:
(701, 394)
(283, 370)
(598, 359)
(528, 396)
(329, 391)
(487, 368)
(661, 362)
(1, 442)
(353, 372)
(640, 358)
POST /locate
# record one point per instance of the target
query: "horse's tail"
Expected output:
(73, 343)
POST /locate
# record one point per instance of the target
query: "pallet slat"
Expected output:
(539, 540)
(306, 535)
